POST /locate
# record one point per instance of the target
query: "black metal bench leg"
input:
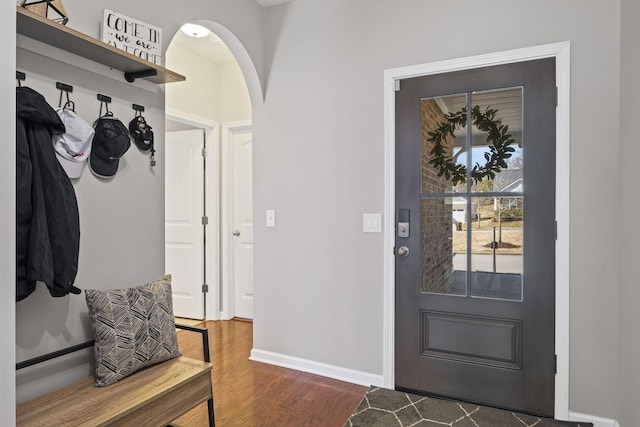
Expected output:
(212, 421)
(207, 358)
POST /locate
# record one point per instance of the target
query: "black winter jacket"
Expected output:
(47, 224)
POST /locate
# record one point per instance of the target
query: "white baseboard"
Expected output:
(317, 368)
(597, 421)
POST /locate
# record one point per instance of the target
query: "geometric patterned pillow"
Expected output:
(134, 328)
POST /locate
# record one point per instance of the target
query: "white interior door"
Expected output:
(184, 231)
(241, 192)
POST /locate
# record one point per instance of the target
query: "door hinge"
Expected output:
(204, 152)
(555, 101)
(555, 363)
(205, 288)
(556, 230)
(205, 220)
(397, 85)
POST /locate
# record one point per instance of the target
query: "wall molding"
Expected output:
(560, 51)
(312, 367)
(597, 421)
(227, 289)
(190, 119)
(212, 202)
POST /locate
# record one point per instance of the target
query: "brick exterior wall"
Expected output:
(436, 216)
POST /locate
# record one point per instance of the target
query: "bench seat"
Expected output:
(154, 396)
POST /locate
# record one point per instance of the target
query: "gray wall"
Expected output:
(7, 212)
(319, 163)
(629, 374)
(318, 160)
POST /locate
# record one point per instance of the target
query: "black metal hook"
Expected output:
(139, 109)
(105, 100)
(20, 76)
(65, 88)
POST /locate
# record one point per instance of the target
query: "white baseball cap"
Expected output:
(74, 146)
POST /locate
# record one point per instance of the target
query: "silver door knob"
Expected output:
(403, 251)
(236, 232)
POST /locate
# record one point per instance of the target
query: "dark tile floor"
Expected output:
(386, 408)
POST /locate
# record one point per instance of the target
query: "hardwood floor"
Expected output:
(248, 393)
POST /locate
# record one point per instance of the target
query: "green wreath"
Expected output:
(498, 138)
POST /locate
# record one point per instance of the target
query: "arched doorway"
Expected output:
(208, 202)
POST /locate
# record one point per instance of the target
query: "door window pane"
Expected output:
(444, 245)
(435, 113)
(501, 111)
(497, 248)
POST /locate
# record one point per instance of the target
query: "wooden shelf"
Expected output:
(47, 31)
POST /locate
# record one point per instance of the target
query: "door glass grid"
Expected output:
(444, 243)
(472, 225)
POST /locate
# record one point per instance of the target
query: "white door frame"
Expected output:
(560, 51)
(212, 203)
(227, 308)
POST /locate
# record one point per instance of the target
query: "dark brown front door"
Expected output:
(475, 235)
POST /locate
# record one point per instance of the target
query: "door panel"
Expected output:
(184, 208)
(242, 206)
(475, 294)
(481, 340)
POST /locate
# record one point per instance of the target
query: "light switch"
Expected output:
(271, 218)
(372, 223)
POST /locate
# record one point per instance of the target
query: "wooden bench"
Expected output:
(154, 396)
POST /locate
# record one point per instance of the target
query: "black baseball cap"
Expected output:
(110, 142)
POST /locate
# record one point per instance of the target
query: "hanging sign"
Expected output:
(133, 36)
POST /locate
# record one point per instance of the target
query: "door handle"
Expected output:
(403, 251)
(236, 232)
